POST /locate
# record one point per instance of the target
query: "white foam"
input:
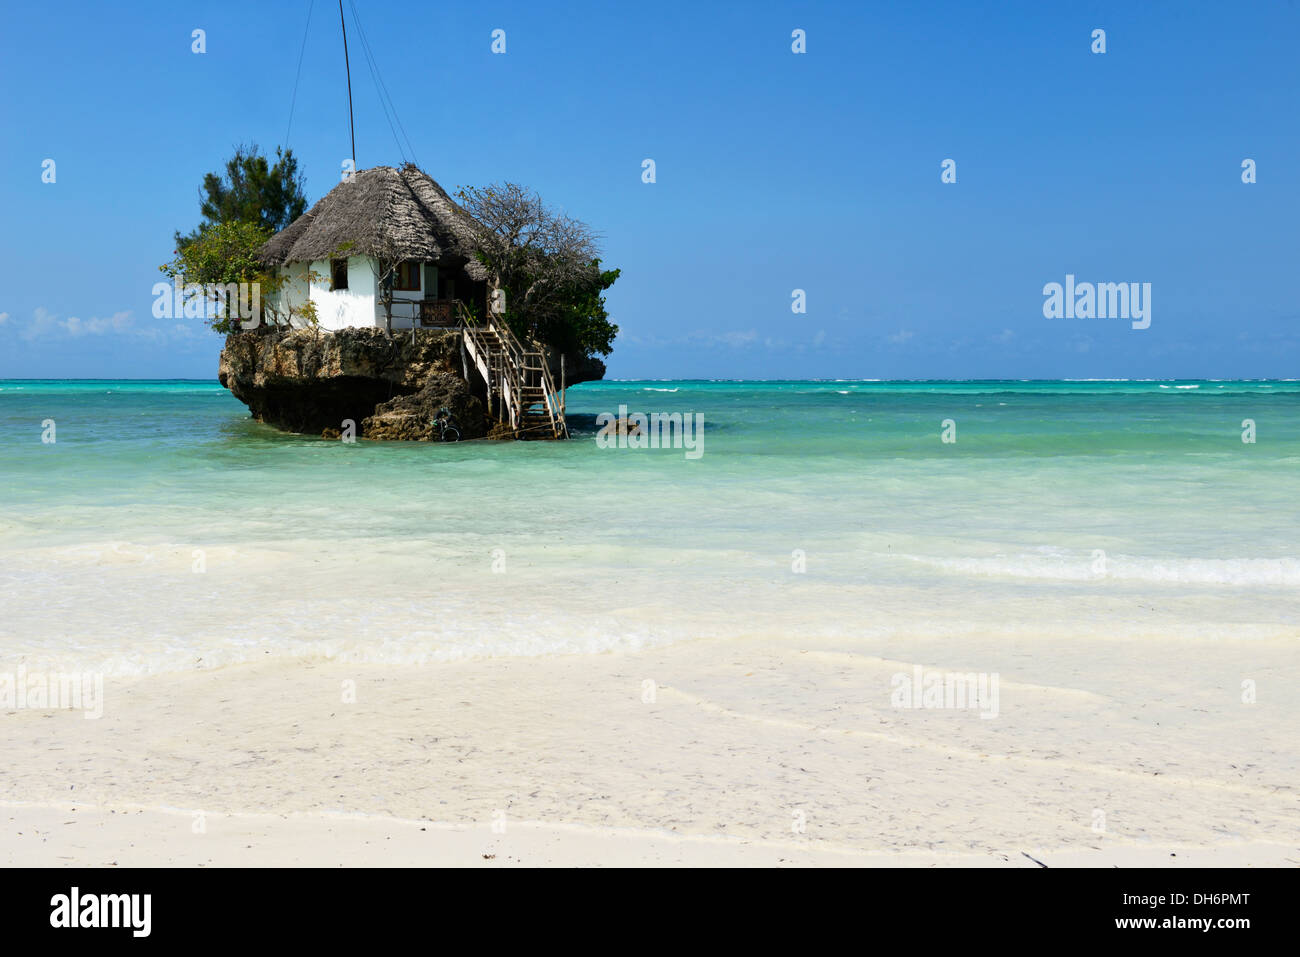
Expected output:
(1201, 571)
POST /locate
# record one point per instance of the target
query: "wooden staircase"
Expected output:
(519, 386)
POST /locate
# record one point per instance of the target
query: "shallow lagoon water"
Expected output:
(165, 530)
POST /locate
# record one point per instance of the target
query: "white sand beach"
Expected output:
(743, 752)
(731, 435)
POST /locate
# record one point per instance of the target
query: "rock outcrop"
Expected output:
(412, 417)
(309, 381)
(304, 380)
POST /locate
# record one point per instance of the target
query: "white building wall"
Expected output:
(335, 308)
(340, 308)
(359, 305)
(289, 298)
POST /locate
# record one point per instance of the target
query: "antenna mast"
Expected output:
(351, 128)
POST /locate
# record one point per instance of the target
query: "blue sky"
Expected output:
(775, 171)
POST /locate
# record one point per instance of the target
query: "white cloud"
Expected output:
(734, 340)
(46, 325)
(901, 336)
(119, 322)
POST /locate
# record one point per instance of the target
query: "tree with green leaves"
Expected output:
(548, 265)
(241, 210)
(222, 254)
(251, 190)
(579, 323)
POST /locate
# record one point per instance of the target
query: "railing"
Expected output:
(427, 313)
(520, 377)
(536, 375)
(488, 362)
(558, 423)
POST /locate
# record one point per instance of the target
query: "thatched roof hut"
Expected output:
(388, 214)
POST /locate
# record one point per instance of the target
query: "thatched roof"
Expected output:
(386, 213)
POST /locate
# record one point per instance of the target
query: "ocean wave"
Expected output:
(200, 653)
(1266, 572)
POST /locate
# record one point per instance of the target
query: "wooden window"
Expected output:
(407, 277)
(338, 274)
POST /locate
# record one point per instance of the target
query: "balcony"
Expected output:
(428, 313)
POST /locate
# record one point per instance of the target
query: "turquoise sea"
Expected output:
(163, 529)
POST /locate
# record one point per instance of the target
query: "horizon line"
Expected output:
(214, 381)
